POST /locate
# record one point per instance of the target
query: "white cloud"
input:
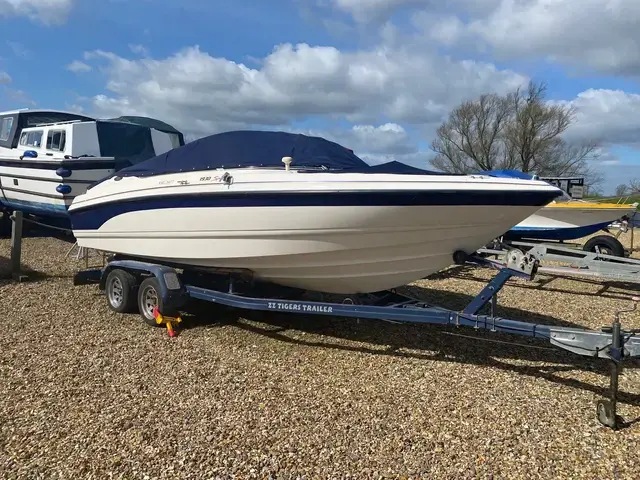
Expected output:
(20, 96)
(607, 116)
(139, 49)
(370, 141)
(370, 10)
(49, 12)
(386, 139)
(19, 50)
(78, 67)
(391, 96)
(4, 78)
(202, 94)
(600, 34)
(74, 107)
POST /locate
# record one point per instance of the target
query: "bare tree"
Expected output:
(519, 130)
(634, 186)
(533, 133)
(471, 139)
(621, 190)
(593, 179)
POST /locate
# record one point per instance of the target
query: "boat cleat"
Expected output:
(168, 321)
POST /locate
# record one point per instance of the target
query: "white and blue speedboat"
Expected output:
(298, 211)
(565, 218)
(48, 157)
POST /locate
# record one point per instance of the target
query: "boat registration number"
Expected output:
(299, 307)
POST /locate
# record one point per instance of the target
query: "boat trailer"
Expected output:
(159, 292)
(570, 261)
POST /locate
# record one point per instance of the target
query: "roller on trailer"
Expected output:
(159, 292)
(571, 261)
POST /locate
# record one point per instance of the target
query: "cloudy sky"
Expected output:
(378, 76)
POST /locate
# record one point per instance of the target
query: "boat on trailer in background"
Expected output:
(48, 157)
(567, 218)
(550, 233)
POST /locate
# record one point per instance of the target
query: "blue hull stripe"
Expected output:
(36, 208)
(541, 233)
(87, 164)
(94, 217)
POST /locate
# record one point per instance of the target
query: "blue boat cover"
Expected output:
(402, 168)
(251, 148)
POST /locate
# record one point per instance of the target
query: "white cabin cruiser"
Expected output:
(324, 221)
(47, 157)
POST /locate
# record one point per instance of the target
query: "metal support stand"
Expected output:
(16, 247)
(607, 409)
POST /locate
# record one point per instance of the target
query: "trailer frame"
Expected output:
(174, 288)
(577, 262)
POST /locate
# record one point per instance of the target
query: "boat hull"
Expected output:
(48, 188)
(336, 233)
(569, 221)
(330, 249)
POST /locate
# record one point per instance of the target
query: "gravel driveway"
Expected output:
(86, 393)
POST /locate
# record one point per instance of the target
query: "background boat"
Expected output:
(48, 157)
(565, 218)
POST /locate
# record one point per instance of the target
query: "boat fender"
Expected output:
(63, 172)
(460, 257)
(29, 154)
(63, 189)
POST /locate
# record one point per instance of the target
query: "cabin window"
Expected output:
(5, 128)
(56, 140)
(175, 140)
(31, 139)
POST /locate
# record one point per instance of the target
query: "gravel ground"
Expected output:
(86, 393)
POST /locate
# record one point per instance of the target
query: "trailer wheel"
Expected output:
(119, 289)
(148, 298)
(606, 245)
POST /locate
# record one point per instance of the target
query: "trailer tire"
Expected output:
(119, 288)
(149, 297)
(606, 244)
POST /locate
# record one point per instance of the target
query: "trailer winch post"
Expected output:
(607, 410)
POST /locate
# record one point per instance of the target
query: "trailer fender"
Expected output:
(173, 292)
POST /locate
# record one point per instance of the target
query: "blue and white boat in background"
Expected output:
(298, 211)
(48, 157)
(565, 218)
